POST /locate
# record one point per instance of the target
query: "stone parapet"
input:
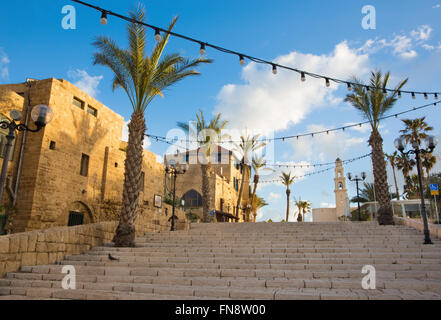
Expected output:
(435, 230)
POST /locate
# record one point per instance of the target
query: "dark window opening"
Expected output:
(84, 171)
(116, 164)
(92, 111)
(192, 199)
(141, 181)
(78, 103)
(75, 219)
(52, 145)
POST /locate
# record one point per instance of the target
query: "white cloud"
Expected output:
(85, 82)
(275, 196)
(326, 147)
(125, 137)
(327, 205)
(428, 47)
(284, 96)
(437, 6)
(4, 62)
(423, 33)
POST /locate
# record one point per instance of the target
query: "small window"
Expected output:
(78, 103)
(75, 219)
(219, 157)
(141, 181)
(84, 171)
(187, 158)
(116, 164)
(92, 111)
(52, 145)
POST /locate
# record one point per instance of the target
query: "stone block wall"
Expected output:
(435, 230)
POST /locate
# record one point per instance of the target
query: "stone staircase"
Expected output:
(247, 261)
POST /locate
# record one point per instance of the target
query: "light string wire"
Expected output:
(312, 134)
(316, 172)
(242, 56)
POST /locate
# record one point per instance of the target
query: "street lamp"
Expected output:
(431, 143)
(40, 114)
(175, 169)
(357, 180)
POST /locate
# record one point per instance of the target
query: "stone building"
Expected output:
(72, 171)
(341, 199)
(224, 184)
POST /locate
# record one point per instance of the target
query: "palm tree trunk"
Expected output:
(256, 181)
(125, 232)
(299, 218)
(396, 184)
(206, 203)
(288, 192)
(385, 216)
(242, 181)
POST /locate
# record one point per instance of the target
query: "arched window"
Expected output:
(192, 199)
(340, 186)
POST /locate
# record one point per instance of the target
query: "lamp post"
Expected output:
(174, 170)
(40, 114)
(431, 143)
(357, 180)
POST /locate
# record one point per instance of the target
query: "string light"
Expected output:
(327, 82)
(241, 60)
(425, 96)
(228, 51)
(399, 94)
(157, 35)
(436, 96)
(103, 19)
(349, 87)
(413, 95)
(202, 50)
(274, 69)
(303, 77)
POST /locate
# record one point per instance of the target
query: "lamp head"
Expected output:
(16, 115)
(350, 176)
(42, 115)
(400, 144)
(431, 142)
(363, 175)
(103, 19)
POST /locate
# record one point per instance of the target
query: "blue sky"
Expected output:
(320, 36)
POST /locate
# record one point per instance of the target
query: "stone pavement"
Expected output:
(247, 261)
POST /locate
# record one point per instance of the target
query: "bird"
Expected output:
(112, 258)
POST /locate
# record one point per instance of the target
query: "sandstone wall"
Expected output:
(435, 230)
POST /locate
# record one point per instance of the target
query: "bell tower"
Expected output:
(341, 193)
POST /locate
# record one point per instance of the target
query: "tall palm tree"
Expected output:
(306, 206)
(367, 194)
(257, 163)
(415, 131)
(299, 206)
(373, 105)
(209, 135)
(428, 161)
(405, 164)
(257, 204)
(143, 77)
(287, 181)
(393, 162)
(248, 145)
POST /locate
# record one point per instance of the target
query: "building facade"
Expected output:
(224, 184)
(72, 171)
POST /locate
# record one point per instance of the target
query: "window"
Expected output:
(141, 181)
(92, 111)
(78, 103)
(116, 164)
(75, 219)
(52, 145)
(219, 157)
(187, 158)
(84, 171)
(192, 199)
(4, 141)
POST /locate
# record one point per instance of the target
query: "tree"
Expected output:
(373, 105)
(393, 162)
(428, 161)
(256, 204)
(257, 163)
(415, 132)
(405, 164)
(248, 145)
(367, 194)
(209, 134)
(143, 78)
(287, 181)
(303, 206)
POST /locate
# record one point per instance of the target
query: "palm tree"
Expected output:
(287, 180)
(257, 163)
(299, 206)
(248, 145)
(393, 162)
(207, 142)
(415, 132)
(306, 206)
(367, 194)
(143, 78)
(428, 161)
(405, 164)
(257, 204)
(373, 105)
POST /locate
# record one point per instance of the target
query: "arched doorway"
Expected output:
(79, 213)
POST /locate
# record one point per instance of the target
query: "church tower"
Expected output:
(341, 193)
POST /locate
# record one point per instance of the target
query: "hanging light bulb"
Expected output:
(327, 82)
(157, 35)
(436, 95)
(425, 96)
(241, 60)
(274, 69)
(103, 19)
(399, 94)
(413, 95)
(202, 51)
(384, 91)
(303, 77)
(349, 87)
